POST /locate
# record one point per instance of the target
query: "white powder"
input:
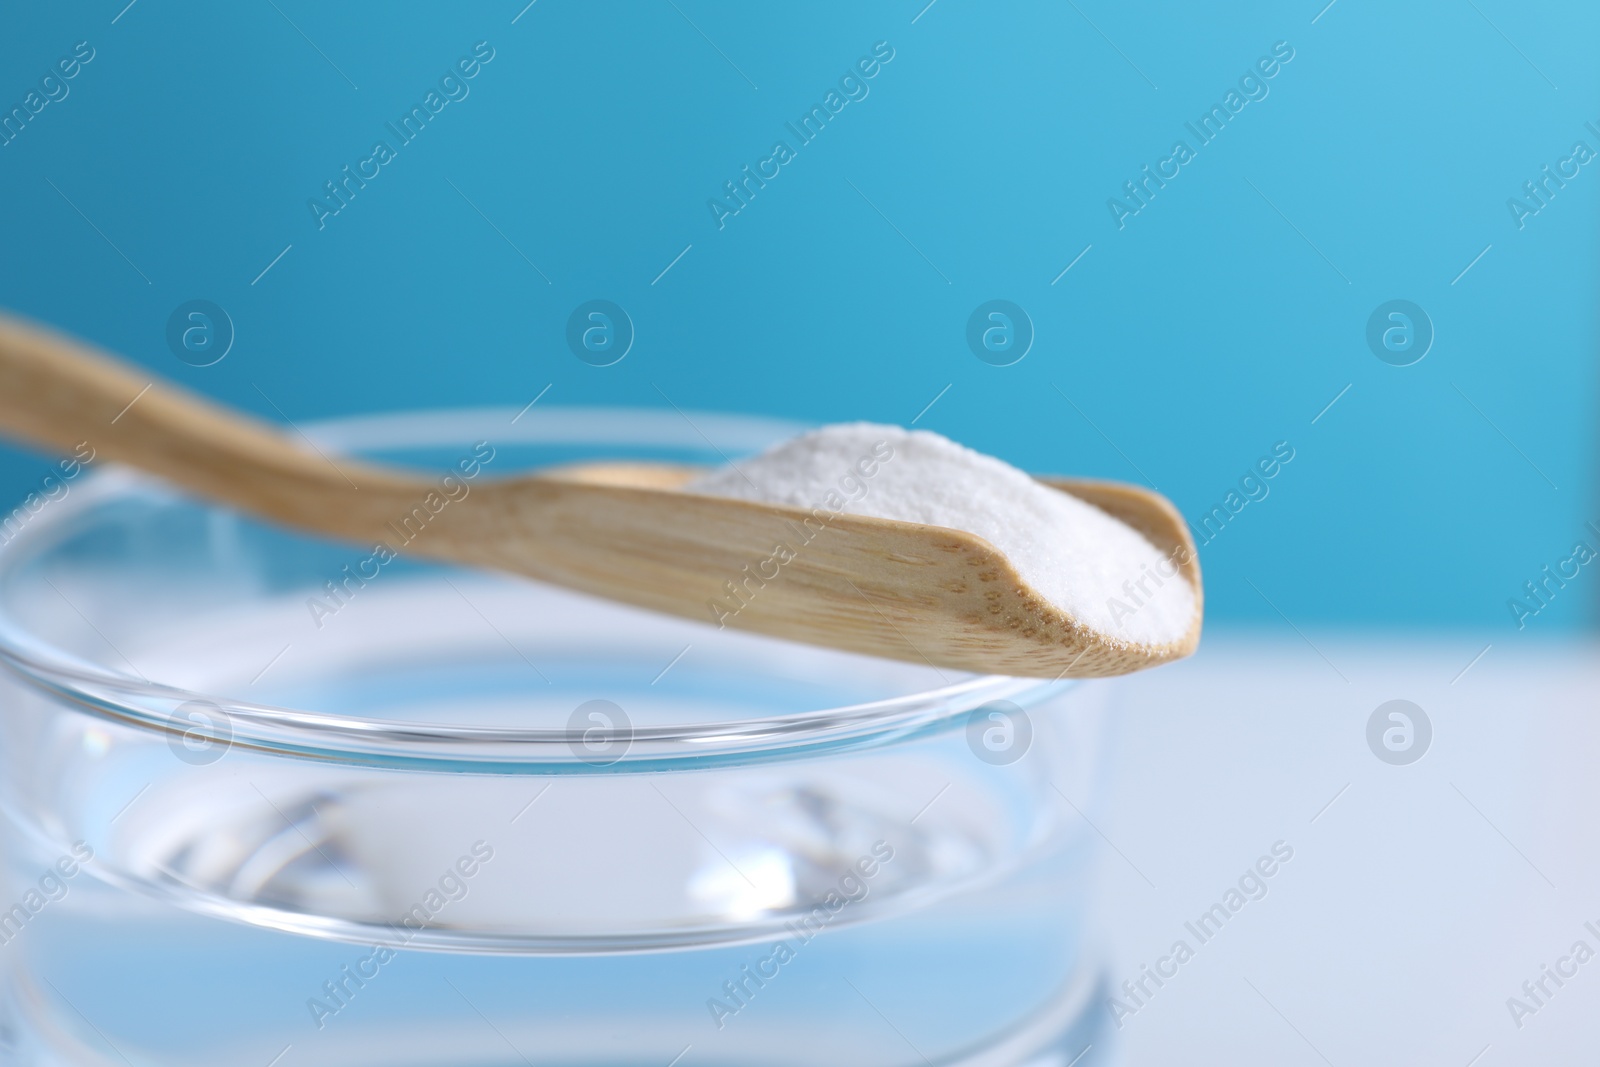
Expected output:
(1096, 568)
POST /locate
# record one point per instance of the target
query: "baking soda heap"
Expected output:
(1096, 568)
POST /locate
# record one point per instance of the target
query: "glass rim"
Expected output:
(230, 722)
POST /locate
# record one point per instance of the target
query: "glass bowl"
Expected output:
(273, 795)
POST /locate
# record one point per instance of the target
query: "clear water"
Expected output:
(104, 977)
(224, 895)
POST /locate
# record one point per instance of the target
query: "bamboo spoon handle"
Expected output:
(59, 393)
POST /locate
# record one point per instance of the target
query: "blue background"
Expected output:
(1177, 350)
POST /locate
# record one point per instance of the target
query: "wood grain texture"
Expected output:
(624, 531)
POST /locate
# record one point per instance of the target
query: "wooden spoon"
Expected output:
(623, 531)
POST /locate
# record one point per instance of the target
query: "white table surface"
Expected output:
(1415, 904)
